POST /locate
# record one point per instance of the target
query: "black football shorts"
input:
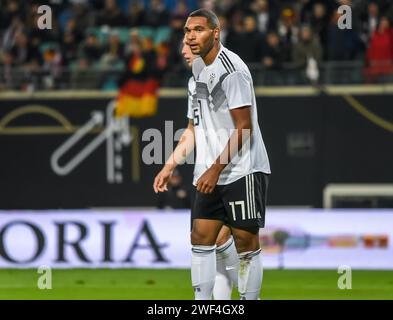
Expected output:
(240, 204)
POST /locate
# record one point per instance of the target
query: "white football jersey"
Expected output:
(213, 91)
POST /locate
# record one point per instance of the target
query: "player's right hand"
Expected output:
(161, 180)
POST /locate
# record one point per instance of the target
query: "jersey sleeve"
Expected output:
(237, 87)
(189, 108)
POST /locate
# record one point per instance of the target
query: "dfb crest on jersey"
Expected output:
(211, 78)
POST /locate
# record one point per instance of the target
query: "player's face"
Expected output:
(187, 54)
(199, 35)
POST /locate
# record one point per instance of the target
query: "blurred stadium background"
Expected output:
(76, 104)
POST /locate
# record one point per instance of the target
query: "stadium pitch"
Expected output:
(175, 284)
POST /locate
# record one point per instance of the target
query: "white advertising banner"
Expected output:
(298, 239)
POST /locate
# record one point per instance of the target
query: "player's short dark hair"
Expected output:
(211, 17)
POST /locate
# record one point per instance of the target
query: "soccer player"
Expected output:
(232, 165)
(226, 255)
(227, 261)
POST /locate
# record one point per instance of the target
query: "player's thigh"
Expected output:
(205, 231)
(224, 235)
(207, 216)
(246, 239)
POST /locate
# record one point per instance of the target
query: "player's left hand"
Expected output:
(208, 180)
(161, 180)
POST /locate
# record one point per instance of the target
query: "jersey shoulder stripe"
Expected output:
(225, 56)
(225, 64)
(235, 61)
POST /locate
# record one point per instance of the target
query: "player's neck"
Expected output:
(212, 54)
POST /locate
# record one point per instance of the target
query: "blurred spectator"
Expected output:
(11, 10)
(288, 31)
(133, 44)
(222, 6)
(175, 43)
(51, 67)
(91, 48)
(181, 10)
(272, 54)
(83, 18)
(307, 54)
(111, 15)
(342, 44)
(25, 55)
(250, 42)
(307, 48)
(71, 27)
(369, 22)
(308, 7)
(235, 29)
(16, 26)
(207, 4)
(319, 22)
(177, 196)
(69, 48)
(136, 14)
(380, 51)
(157, 15)
(79, 13)
(266, 17)
(113, 51)
(306, 10)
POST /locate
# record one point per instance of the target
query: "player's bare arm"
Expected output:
(242, 119)
(184, 147)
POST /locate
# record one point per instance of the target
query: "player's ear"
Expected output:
(216, 32)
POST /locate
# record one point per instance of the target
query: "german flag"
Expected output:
(138, 96)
